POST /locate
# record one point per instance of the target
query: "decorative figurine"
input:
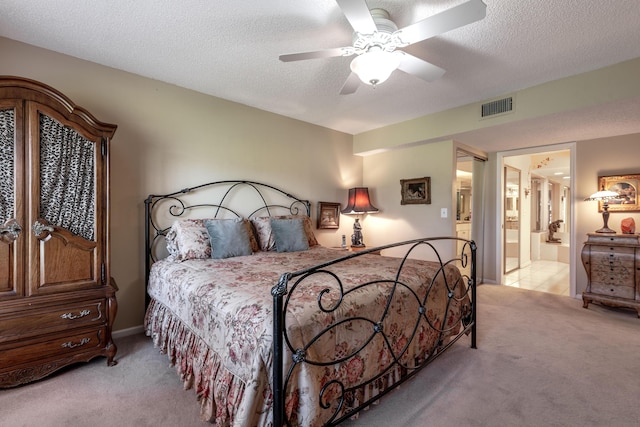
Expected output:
(356, 237)
(553, 227)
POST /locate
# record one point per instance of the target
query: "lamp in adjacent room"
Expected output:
(358, 204)
(604, 196)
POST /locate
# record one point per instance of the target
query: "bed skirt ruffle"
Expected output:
(219, 391)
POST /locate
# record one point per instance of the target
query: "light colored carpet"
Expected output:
(542, 360)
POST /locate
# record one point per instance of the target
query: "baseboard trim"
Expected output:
(121, 333)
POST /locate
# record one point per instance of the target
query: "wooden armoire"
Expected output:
(57, 297)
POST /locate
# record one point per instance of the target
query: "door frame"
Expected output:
(498, 188)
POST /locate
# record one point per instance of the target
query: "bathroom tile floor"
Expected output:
(545, 276)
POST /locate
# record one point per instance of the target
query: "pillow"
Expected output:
(262, 225)
(229, 238)
(308, 227)
(266, 241)
(289, 235)
(189, 239)
(172, 246)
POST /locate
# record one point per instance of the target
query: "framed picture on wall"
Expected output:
(415, 191)
(626, 186)
(328, 215)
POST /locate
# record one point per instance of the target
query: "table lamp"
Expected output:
(604, 196)
(358, 204)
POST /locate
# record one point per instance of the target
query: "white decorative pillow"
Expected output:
(191, 240)
(172, 246)
(262, 225)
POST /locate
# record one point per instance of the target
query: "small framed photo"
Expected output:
(416, 191)
(626, 186)
(328, 215)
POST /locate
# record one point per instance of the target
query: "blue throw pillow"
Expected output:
(228, 237)
(289, 235)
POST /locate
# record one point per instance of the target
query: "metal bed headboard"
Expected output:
(215, 199)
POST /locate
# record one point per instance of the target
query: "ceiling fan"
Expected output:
(377, 42)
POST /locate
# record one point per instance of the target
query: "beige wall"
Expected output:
(613, 83)
(169, 138)
(601, 157)
(396, 222)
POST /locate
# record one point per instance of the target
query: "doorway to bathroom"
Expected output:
(536, 220)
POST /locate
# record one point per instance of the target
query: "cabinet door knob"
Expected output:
(40, 228)
(10, 231)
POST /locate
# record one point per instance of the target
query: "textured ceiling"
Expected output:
(230, 49)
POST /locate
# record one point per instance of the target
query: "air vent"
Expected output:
(499, 106)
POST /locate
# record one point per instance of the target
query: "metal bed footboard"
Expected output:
(286, 287)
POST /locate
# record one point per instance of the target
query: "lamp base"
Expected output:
(605, 218)
(606, 230)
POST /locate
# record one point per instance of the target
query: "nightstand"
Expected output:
(356, 249)
(612, 263)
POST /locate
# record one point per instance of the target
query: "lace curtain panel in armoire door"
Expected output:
(67, 173)
(7, 138)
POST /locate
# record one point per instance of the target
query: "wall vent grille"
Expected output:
(499, 106)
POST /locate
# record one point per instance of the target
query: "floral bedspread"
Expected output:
(213, 318)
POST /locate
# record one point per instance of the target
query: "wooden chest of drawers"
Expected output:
(612, 263)
(57, 296)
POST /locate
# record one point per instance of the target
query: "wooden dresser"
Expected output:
(57, 297)
(612, 263)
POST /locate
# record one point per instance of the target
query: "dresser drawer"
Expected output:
(611, 256)
(53, 346)
(613, 290)
(622, 251)
(28, 323)
(619, 239)
(612, 265)
(617, 275)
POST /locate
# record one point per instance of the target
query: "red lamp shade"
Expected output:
(359, 202)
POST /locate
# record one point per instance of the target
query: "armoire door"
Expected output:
(12, 215)
(66, 214)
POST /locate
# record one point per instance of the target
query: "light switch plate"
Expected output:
(443, 213)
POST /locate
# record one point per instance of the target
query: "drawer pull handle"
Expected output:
(70, 344)
(72, 316)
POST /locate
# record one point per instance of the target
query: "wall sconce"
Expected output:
(358, 204)
(526, 192)
(604, 196)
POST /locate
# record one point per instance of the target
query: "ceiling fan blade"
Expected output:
(418, 67)
(358, 14)
(351, 85)
(450, 19)
(326, 53)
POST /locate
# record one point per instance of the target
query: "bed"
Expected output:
(279, 330)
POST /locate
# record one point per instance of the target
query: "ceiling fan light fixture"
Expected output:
(375, 66)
